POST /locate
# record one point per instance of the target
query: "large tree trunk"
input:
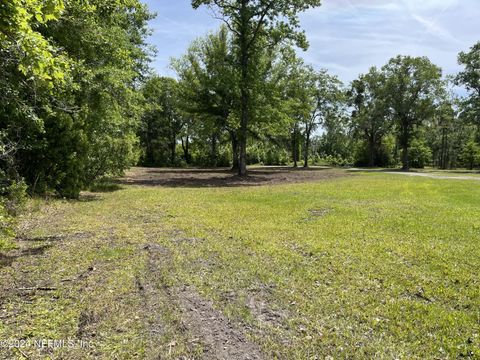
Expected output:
(405, 144)
(242, 138)
(371, 152)
(244, 89)
(295, 147)
(213, 155)
(173, 149)
(149, 159)
(444, 153)
(307, 148)
(186, 150)
(405, 158)
(235, 160)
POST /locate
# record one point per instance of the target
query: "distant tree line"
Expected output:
(404, 114)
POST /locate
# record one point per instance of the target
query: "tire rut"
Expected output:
(219, 337)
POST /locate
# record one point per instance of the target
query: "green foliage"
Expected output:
(86, 128)
(371, 118)
(36, 56)
(470, 79)
(256, 25)
(12, 202)
(267, 154)
(420, 154)
(471, 154)
(412, 84)
(162, 122)
(384, 153)
(208, 95)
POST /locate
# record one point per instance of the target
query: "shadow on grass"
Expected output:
(8, 259)
(223, 177)
(105, 186)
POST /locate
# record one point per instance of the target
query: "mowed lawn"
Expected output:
(362, 266)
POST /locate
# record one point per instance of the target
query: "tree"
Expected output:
(371, 116)
(252, 21)
(470, 78)
(296, 82)
(471, 154)
(412, 86)
(207, 88)
(328, 100)
(441, 134)
(20, 39)
(93, 53)
(162, 122)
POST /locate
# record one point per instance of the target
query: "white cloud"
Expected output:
(429, 5)
(346, 36)
(433, 28)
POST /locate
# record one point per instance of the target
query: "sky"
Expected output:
(346, 37)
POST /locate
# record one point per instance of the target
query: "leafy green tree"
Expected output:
(371, 116)
(420, 153)
(328, 100)
(297, 88)
(20, 39)
(86, 128)
(162, 122)
(207, 89)
(443, 133)
(252, 22)
(471, 154)
(470, 78)
(412, 86)
(335, 141)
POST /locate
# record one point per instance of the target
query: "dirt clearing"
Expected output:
(226, 177)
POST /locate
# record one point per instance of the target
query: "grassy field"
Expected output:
(354, 266)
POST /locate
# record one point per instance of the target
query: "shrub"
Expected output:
(12, 201)
(420, 154)
(471, 155)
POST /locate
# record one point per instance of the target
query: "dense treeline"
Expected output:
(78, 102)
(404, 114)
(70, 72)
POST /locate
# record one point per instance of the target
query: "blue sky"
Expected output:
(346, 36)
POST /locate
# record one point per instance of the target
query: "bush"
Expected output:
(12, 201)
(267, 154)
(6, 229)
(334, 160)
(383, 157)
(420, 154)
(470, 156)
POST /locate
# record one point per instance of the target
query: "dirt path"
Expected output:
(105, 289)
(220, 338)
(204, 326)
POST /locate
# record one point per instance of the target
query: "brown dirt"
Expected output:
(205, 326)
(225, 177)
(219, 337)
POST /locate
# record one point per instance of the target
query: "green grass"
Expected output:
(367, 266)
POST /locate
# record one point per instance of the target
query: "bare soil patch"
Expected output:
(206, 326)
(220, 338)
(226, 177)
